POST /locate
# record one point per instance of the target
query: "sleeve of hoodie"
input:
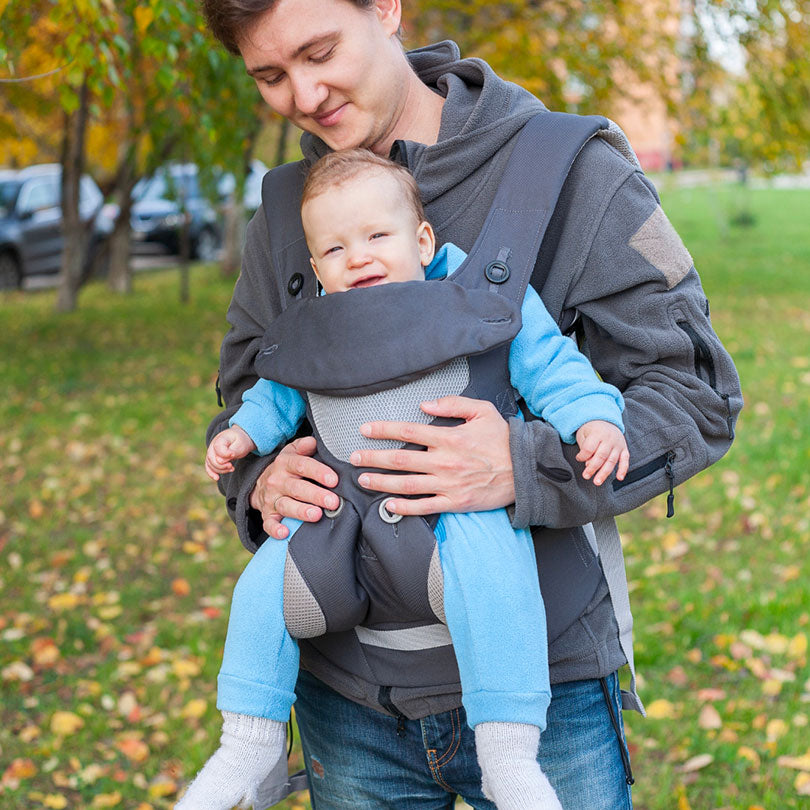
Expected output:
(254, 304)
(618, 262)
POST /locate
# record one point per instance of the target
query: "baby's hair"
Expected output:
(335, 168)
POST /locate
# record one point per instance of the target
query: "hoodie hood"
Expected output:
(481, 114)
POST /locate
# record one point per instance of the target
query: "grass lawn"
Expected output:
(118, 561)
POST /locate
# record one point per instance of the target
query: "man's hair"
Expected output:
(229, 20)
(335, 168)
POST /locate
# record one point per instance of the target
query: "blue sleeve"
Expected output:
(270, 414)
(555, 378)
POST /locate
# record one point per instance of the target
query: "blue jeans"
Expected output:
(359, 759)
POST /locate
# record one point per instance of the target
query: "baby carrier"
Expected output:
(363, 587)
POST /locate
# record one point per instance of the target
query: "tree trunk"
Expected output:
(120, 277)
(74, 252)
(234, 235)
(120, 274)
(185, 255)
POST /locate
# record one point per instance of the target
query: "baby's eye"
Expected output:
(378, 235)
(333, 249)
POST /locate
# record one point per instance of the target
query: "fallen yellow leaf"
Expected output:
(63, 601)
(802, 784)
(696, 763)
(797, 648)
(64, 724)
(709, 717)
(55, 801)
(801, 763)
(775, 729)
(107, 799)
(161, 789)
(744, 752)
(194, 708)
(661, 710)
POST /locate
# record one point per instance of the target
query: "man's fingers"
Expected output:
(274, 527)
(419, 506)
(457, 407)
(416, 461)
(289, 507)
(303, 466)
(399, 484)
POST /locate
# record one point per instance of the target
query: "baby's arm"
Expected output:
(224, 448)
(270, 415)
(602, 446)
(559, 384)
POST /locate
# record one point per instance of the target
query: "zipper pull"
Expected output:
(671, 476)
(729, 421)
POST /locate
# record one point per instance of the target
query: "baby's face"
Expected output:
(363, 232)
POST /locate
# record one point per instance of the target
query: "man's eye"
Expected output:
(323, 56)
(272, 81)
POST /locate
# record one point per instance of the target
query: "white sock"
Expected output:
(512, 777)
(248, 749)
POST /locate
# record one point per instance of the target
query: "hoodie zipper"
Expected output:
(703, 356)
(384, 696)
(665, 462)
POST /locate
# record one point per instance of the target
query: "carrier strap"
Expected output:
(505, 252)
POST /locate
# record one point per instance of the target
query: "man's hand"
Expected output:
(466, 468)
(288, 487)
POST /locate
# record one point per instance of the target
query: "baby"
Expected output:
(365, 226)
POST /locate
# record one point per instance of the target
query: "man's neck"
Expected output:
(420, 117)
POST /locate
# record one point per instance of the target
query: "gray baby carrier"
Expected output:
(363, 588)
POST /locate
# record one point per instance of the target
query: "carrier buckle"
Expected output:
(387, 516)
(333, 513)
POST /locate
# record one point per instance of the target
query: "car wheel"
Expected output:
(206, 248)
(10, 271)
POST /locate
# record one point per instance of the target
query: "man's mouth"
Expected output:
(330, 117)
(367, 281)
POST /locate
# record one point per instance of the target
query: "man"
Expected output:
(612, 264)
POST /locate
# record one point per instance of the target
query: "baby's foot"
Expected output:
(249, 749)
(512, 777)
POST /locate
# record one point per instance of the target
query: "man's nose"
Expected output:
(308, 94)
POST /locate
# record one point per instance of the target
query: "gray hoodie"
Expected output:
(614, 269)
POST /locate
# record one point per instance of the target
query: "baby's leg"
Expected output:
(496, 619)
(255, 689)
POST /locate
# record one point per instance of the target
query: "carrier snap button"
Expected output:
(295, 284)
(387, 516)
(497, 272)
(333, 513)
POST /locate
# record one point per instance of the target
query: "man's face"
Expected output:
(332, 68)
(362, 232)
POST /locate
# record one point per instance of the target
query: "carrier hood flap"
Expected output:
(367, 340)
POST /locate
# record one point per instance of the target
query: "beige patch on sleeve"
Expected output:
(658, 242)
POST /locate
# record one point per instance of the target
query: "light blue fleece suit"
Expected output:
(492, 598)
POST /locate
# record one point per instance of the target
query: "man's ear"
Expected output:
(426, 240)
(389, 13)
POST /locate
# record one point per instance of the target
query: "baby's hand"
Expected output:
(226, 446)
(601, 446)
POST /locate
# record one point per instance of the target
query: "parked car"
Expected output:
(31, 237)
(157, 213)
